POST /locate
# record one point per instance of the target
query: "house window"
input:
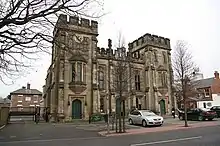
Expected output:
(101, 80)
(207, 92)
(20, 95)
(78, 72)
(137, 81)
(28, 99)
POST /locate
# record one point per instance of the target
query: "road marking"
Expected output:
(49, 140)
(167, 141)
(2, 127)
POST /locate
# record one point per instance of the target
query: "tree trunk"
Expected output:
(185, 112)
(123, 115)
(120, 128)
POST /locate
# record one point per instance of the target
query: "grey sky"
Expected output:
(195, 21)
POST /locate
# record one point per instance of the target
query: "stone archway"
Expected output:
(76, 109)
(162, 107)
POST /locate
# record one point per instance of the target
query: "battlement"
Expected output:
(114, 54)
(76, 21)
(150, 39)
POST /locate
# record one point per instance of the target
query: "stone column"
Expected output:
(66, 89)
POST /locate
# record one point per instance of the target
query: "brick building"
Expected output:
(84, 73)
(208, 93)
(25, 97)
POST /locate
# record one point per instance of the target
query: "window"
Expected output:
(164, 57)
(35, 101)
(20, 101)
(20, 95)
(155, 56)
(101, 104)
(28, 99)
(101, 80)
(137, 81)
(207, 92)
(35, 95)
(162, 79)
(78, 72)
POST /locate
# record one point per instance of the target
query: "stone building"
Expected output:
(79, 77)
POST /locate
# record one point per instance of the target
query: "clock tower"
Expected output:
(75, 47)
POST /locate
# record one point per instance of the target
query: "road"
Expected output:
(45, 135)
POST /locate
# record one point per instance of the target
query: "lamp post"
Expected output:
(108, 127)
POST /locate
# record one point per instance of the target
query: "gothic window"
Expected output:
(164, 57)
(137, 81)
(78, 72)
(101, 80)
(155, 56)
(162, 79)
(70, 41)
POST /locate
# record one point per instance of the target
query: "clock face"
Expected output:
(78, 38)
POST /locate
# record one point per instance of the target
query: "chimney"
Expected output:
(109, 43)
(28, 86)
(216, 75)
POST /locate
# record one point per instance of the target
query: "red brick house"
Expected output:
(208, 93)
(25, 97)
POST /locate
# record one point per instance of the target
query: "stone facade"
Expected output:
(81, 73)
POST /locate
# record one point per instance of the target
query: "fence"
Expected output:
(4, 115)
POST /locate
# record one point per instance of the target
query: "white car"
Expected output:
(145, 118)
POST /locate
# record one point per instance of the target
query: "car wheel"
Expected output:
(200, 118)
(210, 119)
(181, 117)
(130, 122)
(144, 123)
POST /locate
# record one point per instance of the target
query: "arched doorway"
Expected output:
(162, 107)
(76, 109)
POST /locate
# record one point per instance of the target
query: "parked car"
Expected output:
(145, 118)
(217, 110)
(199, 114)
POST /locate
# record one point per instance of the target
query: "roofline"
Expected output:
(24, 94)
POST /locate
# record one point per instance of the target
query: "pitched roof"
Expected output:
(204, 82)
(27, 91)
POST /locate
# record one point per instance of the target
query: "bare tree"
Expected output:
(119, 85)
(120, 80)
(184, 71)
(26, 29)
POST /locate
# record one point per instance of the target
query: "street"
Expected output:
(49, 134)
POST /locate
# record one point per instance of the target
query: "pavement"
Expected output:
(200, 136)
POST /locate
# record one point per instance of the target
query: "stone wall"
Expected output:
(4, 114)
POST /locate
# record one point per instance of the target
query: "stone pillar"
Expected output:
(113, 103)
(66, 89)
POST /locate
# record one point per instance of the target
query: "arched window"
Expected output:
(137, 81)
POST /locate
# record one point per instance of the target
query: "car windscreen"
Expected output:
(148, 114)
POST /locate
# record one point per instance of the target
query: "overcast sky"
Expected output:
(195, 21)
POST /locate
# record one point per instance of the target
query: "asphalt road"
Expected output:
(48, 135)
